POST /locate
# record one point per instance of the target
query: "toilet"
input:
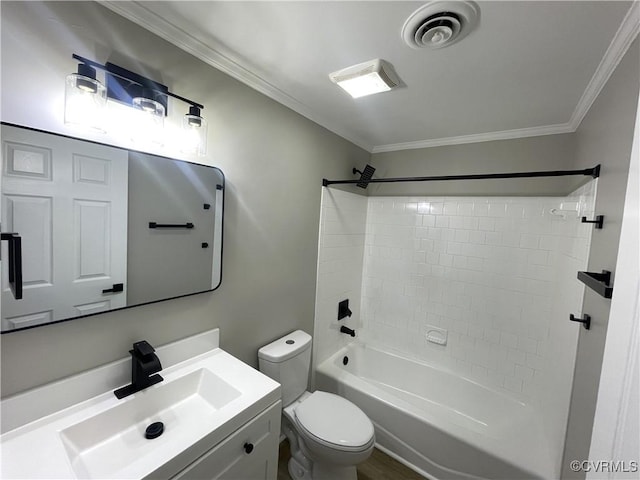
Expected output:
(328, 434)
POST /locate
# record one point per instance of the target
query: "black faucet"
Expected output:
(144, 364)
(347, 330)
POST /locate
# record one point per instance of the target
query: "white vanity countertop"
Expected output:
(38, 450)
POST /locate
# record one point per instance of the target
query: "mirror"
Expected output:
(88, 228)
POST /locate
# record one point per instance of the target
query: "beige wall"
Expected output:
(551, 152)
(605, 136)
(273, 160)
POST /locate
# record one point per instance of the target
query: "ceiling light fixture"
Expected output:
(86, 97)
(374, 76)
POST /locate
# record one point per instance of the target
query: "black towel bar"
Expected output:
(171, 225)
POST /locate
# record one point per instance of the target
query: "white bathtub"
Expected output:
(442, 425)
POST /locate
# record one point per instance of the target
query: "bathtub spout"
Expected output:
(348, 331)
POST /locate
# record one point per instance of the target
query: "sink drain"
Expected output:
(154, 430)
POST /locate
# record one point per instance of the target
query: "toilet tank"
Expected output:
(287, 361)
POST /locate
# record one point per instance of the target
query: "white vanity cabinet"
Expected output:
(250, 453)
(221, 421)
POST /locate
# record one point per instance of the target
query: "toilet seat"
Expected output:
(334, 422)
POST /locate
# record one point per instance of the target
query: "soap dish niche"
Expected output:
(436, 335)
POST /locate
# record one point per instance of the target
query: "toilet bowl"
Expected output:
(328, 434)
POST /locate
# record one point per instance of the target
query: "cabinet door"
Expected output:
(251, 453)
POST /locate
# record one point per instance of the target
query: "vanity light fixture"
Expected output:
(374, 76)
(86, 100)
(195, 132)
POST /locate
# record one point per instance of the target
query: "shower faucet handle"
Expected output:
(343, 309)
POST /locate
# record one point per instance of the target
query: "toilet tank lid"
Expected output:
(286, 347)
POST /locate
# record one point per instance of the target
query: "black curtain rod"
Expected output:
(591, 172)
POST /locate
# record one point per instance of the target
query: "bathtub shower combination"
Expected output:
(464, 353)
(445, 425)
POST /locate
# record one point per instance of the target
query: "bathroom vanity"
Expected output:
(221, 420)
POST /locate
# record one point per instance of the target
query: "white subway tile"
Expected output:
(475, 331)
(538, 257)
(435, 233)
(456, 222)
(534, 361)
(513, 384)
(471, 223)
(437, 208)
(450, 208)
(467, 342)
(495, 379)
(524, 373)
(421, 232)
(506, 368)
(478, 372)
(464, 368)
(516, 356)
(497, 210)
(529, 241)
(424, 207)
(429, 220)
(510, 239)
(487, 224)
(508, 339)
(463, 235)
(527, 344)
(481, 210)
(493, 238)
(465, 209)
(515, 210)
(481, 267)
(474, 263)
(477, 237)
(492, 335)
(446, 260)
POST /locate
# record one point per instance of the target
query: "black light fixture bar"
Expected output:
(133, 78)
(591, 172)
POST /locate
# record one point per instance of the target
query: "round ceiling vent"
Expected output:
(440, 23)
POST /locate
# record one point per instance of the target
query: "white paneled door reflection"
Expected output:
(68, 202)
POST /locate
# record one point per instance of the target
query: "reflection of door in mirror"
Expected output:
(68, 201)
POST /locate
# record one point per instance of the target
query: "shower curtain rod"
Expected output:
(592, 172)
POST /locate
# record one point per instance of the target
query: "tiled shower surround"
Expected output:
(498, 273)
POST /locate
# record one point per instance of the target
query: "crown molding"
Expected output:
(476, 138)
(139, 14)
(622, 40)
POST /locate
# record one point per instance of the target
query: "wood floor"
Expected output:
(379, 466)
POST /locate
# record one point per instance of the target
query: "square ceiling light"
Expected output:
(366, 78)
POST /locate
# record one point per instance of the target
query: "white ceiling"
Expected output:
(528, 68)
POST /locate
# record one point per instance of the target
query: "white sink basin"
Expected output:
(202, 401)
(109, 441)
